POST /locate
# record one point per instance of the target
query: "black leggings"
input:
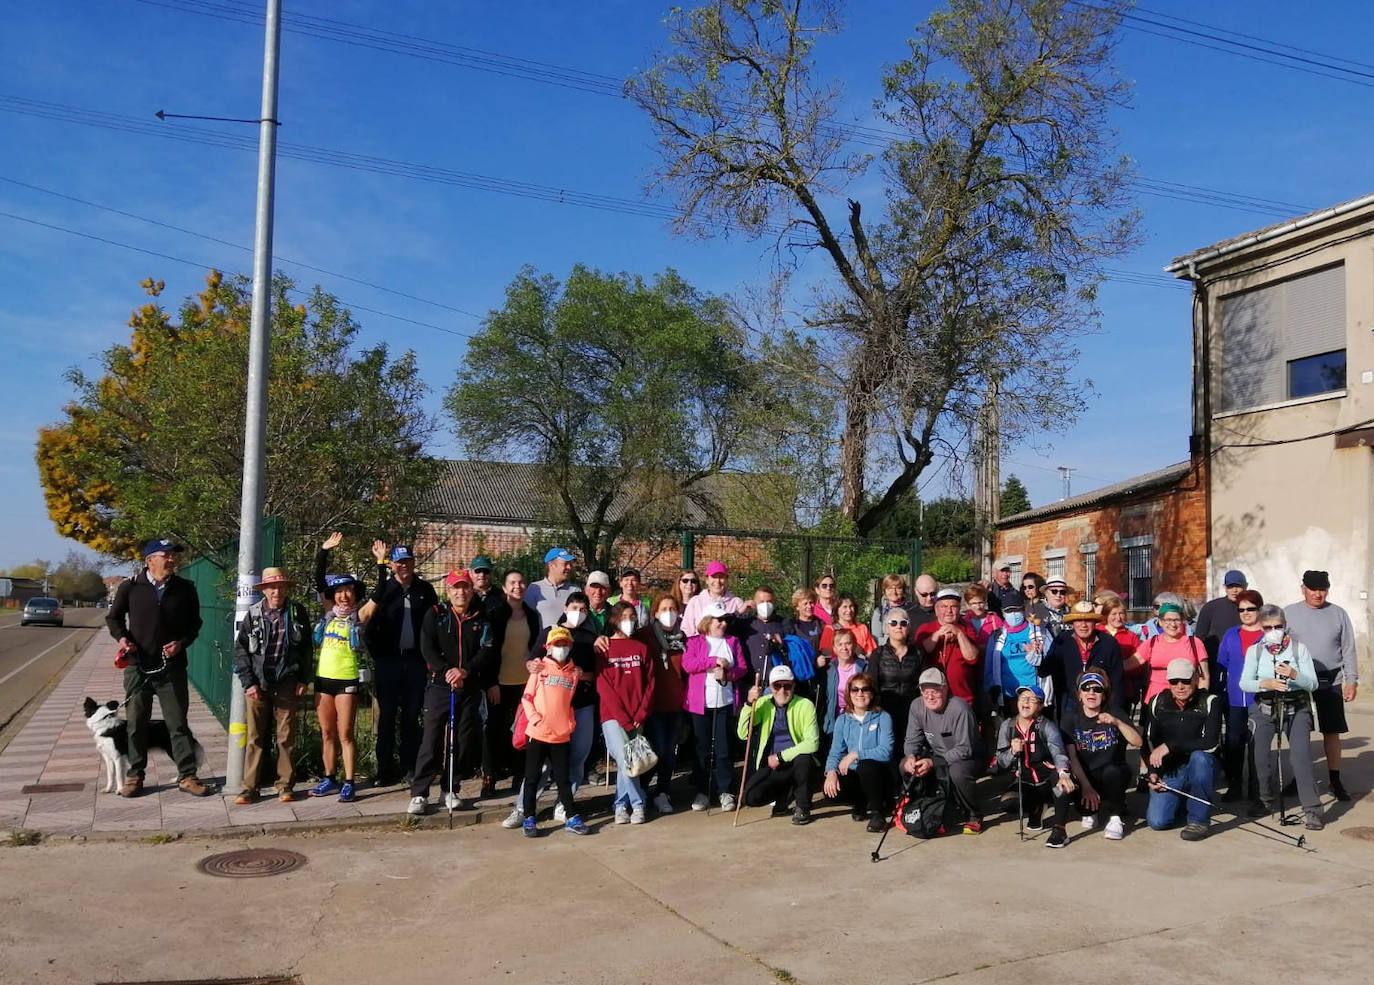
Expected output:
(868, 785)
(558, 756)
(1110, 783)
(1038, 794)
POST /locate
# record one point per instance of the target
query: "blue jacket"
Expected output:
(1231, 658)
(870, 738)
(832, 682)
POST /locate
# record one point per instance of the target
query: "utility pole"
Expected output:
(987, 479)
(1065, 472)
(255, 423)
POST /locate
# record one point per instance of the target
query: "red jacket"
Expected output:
(625, 683)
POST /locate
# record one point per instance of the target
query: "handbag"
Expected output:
(518, 738)
(639, 757)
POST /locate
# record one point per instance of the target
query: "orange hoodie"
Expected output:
(548, 701)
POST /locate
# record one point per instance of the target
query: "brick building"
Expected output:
(1138, 537)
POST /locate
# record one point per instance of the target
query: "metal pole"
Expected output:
(255, 422)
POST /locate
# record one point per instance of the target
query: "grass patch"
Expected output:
(21, 838)
(409, 822)
(783, 975)
(161, 838)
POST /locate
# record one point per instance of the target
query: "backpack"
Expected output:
(921, 811)
(518, 738)
(801, 657)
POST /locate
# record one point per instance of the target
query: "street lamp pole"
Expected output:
(255, 423)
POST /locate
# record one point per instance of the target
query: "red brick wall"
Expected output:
(1175, 517)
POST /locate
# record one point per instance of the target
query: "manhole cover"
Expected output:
(52, 788)
(251, 863)
(1363, 834)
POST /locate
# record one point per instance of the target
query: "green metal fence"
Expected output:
(210, 660)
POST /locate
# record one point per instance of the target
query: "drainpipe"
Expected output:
(1204, 369)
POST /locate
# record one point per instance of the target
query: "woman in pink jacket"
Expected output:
(713, 662)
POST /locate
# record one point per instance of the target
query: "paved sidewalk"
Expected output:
(55, 749)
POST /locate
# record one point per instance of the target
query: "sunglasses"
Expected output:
(1055, 591)
(826, 584)
(860, 690)
(898, 622)
(926, 595)
(1180, 680)
(1092, 689)
(1247, 608)
(690, 581)
(782, 686)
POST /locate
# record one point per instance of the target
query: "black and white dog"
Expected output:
(112, 741)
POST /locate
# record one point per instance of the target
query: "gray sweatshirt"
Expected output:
(1329, 636)
(950, 736)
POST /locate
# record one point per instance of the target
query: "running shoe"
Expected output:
(1115, 829)
(346, 794)
(662, 804)
(417, 805)
(637, 815)
(531, 829)
(560, 814)
(1089, 822)
(973, 826)
(1058, 837)
(325, 787)
(514, 819)
(727, 802)
(622, 814)
(574, 825)
(700, 802)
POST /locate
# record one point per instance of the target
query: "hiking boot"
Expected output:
(877, 824)
(516, 818)
(417, 806)
(973, 826)
(247, 797)
(133, 786)
(1115, 830)
(700, 802)
(727, 802)
(531, 829)
(801, 816)
(324, 788)
(1312, 820)
(1338, 790)
(637, 815)
(575, 826)
(1193, 832)
(193, 786)
(1058, 837)
(662, 804)
(346, 793)
(622, 814)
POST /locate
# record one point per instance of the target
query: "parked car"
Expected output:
(44, 610)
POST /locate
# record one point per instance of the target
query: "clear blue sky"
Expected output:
(1198, 116)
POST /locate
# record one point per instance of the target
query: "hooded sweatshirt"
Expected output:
(625, 682)
(548, 701)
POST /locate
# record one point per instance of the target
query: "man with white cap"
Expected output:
(947, 645)
(1183, 734)
(548, 595)
(942, 737)
(785, 743)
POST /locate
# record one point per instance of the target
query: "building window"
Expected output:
(1089, 575)
(1282, 341)
(1139, 581)
(1312, 375)
(1054, 568)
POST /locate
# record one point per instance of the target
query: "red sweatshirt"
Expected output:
(625, 683)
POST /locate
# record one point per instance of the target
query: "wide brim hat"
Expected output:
(274, 576)
(1082, 612)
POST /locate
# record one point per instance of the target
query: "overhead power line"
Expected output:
(478, 59)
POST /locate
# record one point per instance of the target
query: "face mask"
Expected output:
(573, 618)
(667, 618)
(765, 610)
(627, 627)
(1015, 619)
(1273, 636)
(561, 653)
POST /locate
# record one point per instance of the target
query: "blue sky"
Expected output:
(1198, 117)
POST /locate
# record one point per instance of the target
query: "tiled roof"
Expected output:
(1167, 476)
(509, 492)
(1269, 232)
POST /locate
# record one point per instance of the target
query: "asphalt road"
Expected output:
(33, 659)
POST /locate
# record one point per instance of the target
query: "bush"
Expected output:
(947, 566)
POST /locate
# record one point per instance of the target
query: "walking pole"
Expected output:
(876, 854)
(451, 801)
(1284, 819)
(1182, 794)
(748, 739)
(1020, 809)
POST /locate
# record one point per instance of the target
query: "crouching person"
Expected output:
(859, 766)
(786, 741)
(1184, 732)
(942, 738)
(549, 725)
(1031, 747)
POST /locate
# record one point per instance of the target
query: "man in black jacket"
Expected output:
(1184, 732)
(155, 616)
(455, 640)
(1073, 652)
(393, 639)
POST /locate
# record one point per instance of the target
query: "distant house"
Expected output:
(1283, 402)
(1138, 537)
(19, 590)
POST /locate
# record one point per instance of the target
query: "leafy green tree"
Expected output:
(1014, 499)
(154, 446)
(996, 193)
(630, 393)
(78, 578)
(37, 570)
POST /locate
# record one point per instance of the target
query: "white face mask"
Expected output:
(1015, 619)
(561, 653)
(627, 627)
(1273, 637)
(667, 618)
(573, 617)
(765, 609)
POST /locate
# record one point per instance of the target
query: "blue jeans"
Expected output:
(660, 729)
(1194, 777)
(628, 792)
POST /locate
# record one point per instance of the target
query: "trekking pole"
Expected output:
(1284, 819)
(711, 756)
(876, 855)
(748, 739)
(1020, 808)
(1182, 794)
(451, 800)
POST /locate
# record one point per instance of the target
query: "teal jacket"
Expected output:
(801, 725)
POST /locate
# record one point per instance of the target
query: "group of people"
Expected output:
(523, 680)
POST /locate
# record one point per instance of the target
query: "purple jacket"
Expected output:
(697, 662)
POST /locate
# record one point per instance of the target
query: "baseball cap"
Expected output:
(1180, 668)
(480, 563)
(781, 672)
(1092, 678)
(716, 569)
(559, 635)
(599, 578)
(949, 593)
(1315, 580)
(1234, 577)
(1034, 689)
(463, 577)
(627, 572)
(931, 677)
(332, 583)
(401, 552)
(559, 554)
(161, 545)
(1002, 566)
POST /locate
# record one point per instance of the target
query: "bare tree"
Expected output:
(1001, 194)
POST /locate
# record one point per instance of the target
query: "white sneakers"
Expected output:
(622, 814)
(727, 802)
(417, 805)
(560, 815)
(637, 815)
(514, 819)
(1089, 822)
(1115, 830)
(700, 803)
(662, 804)
(451, 801)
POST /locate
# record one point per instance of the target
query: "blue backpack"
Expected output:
(801, 656)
